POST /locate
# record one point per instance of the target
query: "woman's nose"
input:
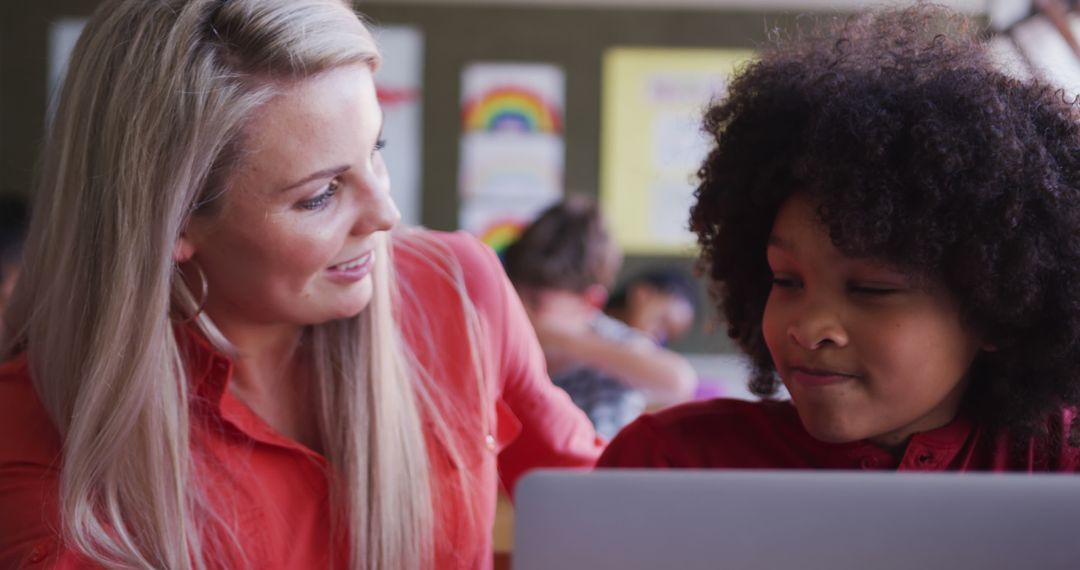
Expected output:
(376, 211)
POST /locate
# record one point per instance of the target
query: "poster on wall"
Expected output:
(512, 151)
(652, 144)
(398, 83)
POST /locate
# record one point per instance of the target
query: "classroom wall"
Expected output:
(454, 36)
(574, 39)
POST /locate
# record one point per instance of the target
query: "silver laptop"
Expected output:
(795, 520)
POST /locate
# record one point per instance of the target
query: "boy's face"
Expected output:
(864, 350)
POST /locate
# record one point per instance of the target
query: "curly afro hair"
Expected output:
(918, 152)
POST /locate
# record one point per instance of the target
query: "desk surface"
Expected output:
(503, 532)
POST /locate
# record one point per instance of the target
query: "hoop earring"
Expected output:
(204, 292)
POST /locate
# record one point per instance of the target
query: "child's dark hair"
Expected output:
(922, 154)
(567, 247)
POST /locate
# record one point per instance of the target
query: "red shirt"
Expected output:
(278, 486)
(737, 434)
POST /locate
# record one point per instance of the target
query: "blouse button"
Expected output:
(924, 458)
(38, 554)
(489, 441)
(869, 462)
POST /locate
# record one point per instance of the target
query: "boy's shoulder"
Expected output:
(708, 434)
(719, 413)
(1059, 449)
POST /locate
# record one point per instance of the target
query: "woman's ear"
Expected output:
(183, 249)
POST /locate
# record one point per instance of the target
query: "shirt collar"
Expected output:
(208, 369)
(945, 442)
(209, 373)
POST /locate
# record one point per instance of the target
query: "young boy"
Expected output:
(892, 229)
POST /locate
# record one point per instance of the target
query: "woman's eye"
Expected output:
(323, 199)
(379, 145)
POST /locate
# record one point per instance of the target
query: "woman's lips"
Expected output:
(353, 270)
(814, 377)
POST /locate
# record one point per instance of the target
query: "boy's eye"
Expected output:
(872, 289)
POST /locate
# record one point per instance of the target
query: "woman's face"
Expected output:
(865, 351)
(293, 238)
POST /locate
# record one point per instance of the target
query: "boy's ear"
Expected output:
(596, 296)
(183, 249)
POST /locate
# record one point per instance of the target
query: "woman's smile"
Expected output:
(353, 270)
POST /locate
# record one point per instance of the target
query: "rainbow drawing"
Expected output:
(510, 109)
(500, 234)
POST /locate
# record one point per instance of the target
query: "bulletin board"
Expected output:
(652, 142)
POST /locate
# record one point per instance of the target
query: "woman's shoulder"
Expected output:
(422, 250)
(709, 433)
(430, 260)
(27, 434)
(14, 373)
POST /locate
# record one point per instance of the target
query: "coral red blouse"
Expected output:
(278, 488)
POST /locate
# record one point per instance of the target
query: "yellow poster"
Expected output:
(652, 144)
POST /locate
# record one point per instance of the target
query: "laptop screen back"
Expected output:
(770, 520)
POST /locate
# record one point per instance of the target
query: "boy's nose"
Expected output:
(817, 328)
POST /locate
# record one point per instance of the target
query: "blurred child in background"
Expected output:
(563, 266)
(659, 302)
(13, 217)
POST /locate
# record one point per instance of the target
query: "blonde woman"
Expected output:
(218, 357)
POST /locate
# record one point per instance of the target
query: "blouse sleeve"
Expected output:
(553, 431)
(29, 480)
(28, 521)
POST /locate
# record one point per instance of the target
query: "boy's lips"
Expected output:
(811, 377)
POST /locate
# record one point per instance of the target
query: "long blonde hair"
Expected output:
(148, 125)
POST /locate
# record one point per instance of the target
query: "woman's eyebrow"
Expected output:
(325, 173)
